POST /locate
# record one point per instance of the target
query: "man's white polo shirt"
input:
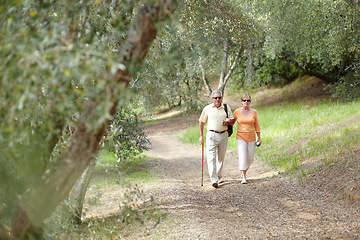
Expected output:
(214, 116)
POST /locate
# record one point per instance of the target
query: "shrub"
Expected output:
(126, 136)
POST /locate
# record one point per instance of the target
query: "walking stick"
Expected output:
(202, 163)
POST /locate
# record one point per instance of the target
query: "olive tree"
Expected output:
(62, 61)
(320, 37)
(205, 45)
(227, 26)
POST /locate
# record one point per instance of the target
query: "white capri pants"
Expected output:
(246, 152)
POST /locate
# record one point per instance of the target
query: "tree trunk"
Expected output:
(225, 76)
(224, 65)
(38, 204)
(77, 195)
(325, 77)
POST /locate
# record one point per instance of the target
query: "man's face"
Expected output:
(216, 99)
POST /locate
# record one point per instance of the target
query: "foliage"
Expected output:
(347, 89)
(318, 36)
(276, 72)
(283, 39)
(193, 42)
(56, 57)
(136, 207)
(126, 134)
(169, 77)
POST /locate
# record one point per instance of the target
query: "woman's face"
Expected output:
(246, 102)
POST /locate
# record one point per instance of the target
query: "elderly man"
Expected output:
(216, 136)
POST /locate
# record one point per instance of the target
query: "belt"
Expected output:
(217, 131)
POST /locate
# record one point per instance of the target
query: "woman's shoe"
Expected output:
(243, 181)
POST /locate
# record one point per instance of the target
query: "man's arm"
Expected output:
(231, 122)
(201, 131)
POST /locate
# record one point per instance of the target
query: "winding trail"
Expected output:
(270, 206)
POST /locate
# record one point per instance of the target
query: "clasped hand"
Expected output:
(225, 122)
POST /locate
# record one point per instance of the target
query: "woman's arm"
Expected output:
(258, 137)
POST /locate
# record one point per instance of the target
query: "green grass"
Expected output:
(191, 135)
(109, 172)
(294, 132)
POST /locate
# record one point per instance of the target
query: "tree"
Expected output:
(316, 36)
(126, 138)
(234, 30)
(63, 60)
(210, 38)
(224, 25)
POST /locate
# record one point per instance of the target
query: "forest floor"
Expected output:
(270, 206)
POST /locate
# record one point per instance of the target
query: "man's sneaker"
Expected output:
(215, 184)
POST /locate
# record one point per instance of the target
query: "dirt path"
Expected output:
(268, 207)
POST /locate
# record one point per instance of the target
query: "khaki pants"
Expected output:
(216, 145)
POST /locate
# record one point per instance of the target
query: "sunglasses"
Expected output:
(246, 100)
(216, 97)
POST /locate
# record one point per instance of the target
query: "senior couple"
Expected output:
(217, 137)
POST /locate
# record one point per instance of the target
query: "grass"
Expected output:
(293, 133)
(131, 170)
(191, 135)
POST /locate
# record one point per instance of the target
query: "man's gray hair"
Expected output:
(216, 91)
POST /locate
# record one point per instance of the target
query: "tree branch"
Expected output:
(322, 76)
(222, 83)
(224, 61)
(233, 65)
(204, 78)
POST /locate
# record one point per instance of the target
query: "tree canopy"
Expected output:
(272, 42)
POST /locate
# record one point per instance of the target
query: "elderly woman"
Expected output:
(248, 125)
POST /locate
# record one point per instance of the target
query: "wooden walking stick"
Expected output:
(202, 163)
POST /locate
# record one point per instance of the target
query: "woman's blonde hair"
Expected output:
(245, 95)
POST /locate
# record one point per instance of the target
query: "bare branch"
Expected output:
(205, 80)
(234, 63)
(224, 61)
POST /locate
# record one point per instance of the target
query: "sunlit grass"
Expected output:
(191, 135)
(295, 132)
(110, 171)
